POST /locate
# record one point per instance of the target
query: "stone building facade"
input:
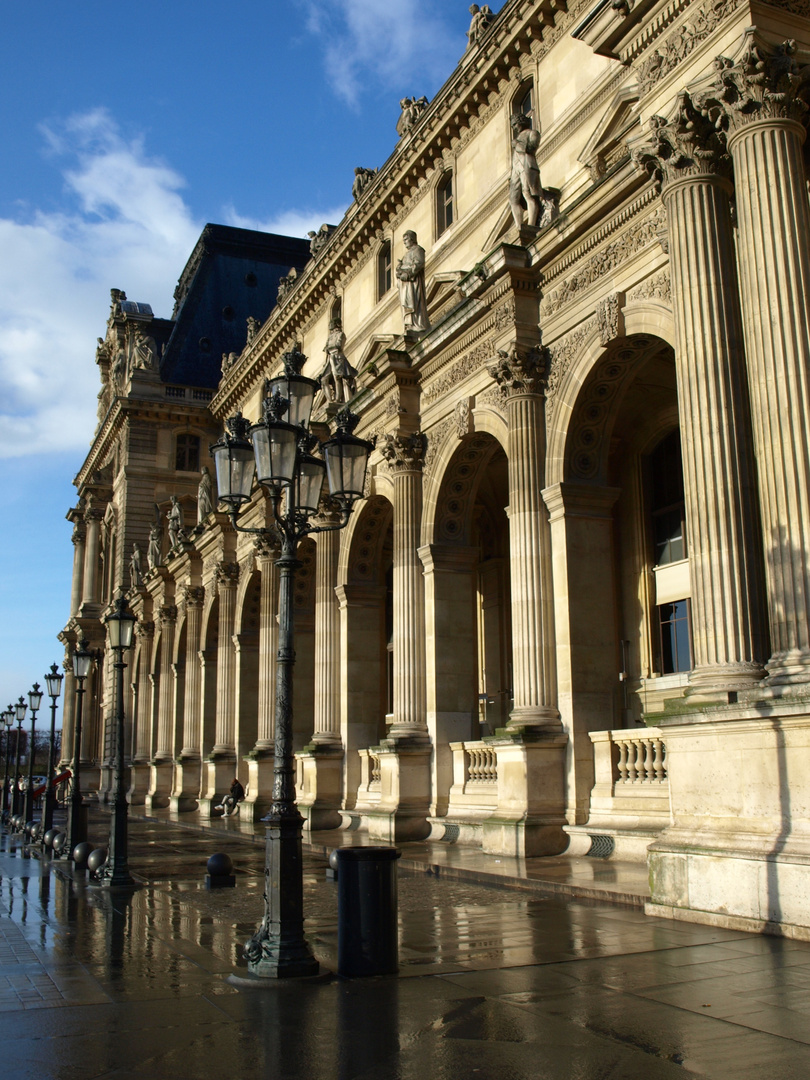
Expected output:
(573, 610)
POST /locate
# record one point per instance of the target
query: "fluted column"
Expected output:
(143, 747)
(77, 583)
(192, 704)
(227, 579)
(405, 456)
(165, 733)
(521, 373)
(266, 555)
(729, 628)
(327, 642)
(92, 519)
(760, 96)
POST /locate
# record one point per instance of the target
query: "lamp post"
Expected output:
(8, 720)
(19, 711)
(54, 683)
(34, 700)
(120, 625)
(281, 452)
(77, 820)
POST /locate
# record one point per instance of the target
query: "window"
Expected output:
(384, 270)
(676, 653)
(667, 501)
(524, 102)
(187, 457)
(336, 311)
(444, 204)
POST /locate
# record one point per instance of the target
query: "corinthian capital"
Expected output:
(521, 371)
(404, 452)
(687, 144)
(765, 82)
(227, 573)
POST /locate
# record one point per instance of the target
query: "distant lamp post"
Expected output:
(77, 818)
(19, 712)
(34, 700)
(120, 626)
(8, 720)
(280, 450)
(54, 683)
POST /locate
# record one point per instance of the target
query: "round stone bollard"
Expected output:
(96, 859)
(220, 872)
(81, 853)
(332, 868)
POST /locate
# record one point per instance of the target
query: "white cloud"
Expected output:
(287, 222)
(398, 45)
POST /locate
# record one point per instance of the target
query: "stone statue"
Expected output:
(318, 240)
(144, 351)
(102, 351)
(228, 360)
(154, 556)
(410, 273)
(285, 285)
(524, 184)
(412, 109)
(175, 518)
(119, 369)
(135, 568)
(362, 178)
(117, 297)
(481, 19)
(205, 496)
(253, 327)
(338, 379)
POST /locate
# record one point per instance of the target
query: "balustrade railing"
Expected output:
(642, 758)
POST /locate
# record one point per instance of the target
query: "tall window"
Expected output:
(336, 311)
(525, 100)
(667, 501)
(187, 456)
(444, 204)
(384, 270)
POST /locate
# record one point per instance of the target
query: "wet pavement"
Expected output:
(493, 983)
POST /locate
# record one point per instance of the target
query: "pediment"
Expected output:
(375, 346)
(608, 144)
(441, 292)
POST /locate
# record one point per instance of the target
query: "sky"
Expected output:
(125, 129)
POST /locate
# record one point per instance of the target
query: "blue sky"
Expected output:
(125, 129)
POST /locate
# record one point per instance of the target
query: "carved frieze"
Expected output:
(607, 316)
(656, 287)
(562, 353)
(435, 438)
(682, 41)
(472, 361)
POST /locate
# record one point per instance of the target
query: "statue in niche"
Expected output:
(410, 274)
(177, 533)
(412, 109)
(481, 19)
(135, 567)
(318, 240)
(338, 379)
(144, 351)
(205, 496)
(362, 178)
(253, 327)
(154, 556)
(524, 184)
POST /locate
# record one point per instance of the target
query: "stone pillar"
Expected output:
(761, 97)
(77, 584)
(729, 630)
(531, 750)
(322, 759)
(140, 776)
(220, 764)
(161, 780)
(187, 773)
(261, 757)
(92, 520)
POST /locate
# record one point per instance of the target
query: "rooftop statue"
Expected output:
(318, 240)
(285, 284)
(481, 20)
(362, 179)
(412, 109)
(253, 327)
(154, 556)
(177, 532)
(338, 379)
(410, 273)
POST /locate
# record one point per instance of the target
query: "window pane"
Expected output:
(676, 653)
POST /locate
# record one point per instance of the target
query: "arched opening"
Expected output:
(208, 697)
(247, 674)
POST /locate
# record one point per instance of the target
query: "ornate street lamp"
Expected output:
(293, 478)
(19, 711)
(120, 625)
(77, 817)
(54, 683)
(8, 719)
(34, 700)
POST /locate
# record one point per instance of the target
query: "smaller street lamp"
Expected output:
(19, 711)
(120, 626)
(54, 683)
(77, 819)
(8, 719)
(34, 700)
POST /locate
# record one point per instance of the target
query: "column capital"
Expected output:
(687, 145)
(267, 546)
(193, 596)
(518, 370)
(78, 535)
(167, 614)
(763, 82)
(404, 453)
(145, 628)
(226, 574)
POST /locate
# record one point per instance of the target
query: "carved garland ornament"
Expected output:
(682, 42)
(562, 353)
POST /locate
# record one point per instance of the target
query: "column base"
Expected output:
(534, 718)
(186, 790)
(720, 684)
(138, 783)
(218, 772)
(530, 814)
(161, 782)
(402, 812)
(789, 668)
(259, 796)
(319, 796)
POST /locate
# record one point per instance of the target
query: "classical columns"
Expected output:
(187, 773)
(729, 631)
(760, 97)
(142, 755)
(405, 456)
(327, 642)
(227, 577)
(77, 584)
(521, 372)
(92, 519)
(164, 752)
(266, 556)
